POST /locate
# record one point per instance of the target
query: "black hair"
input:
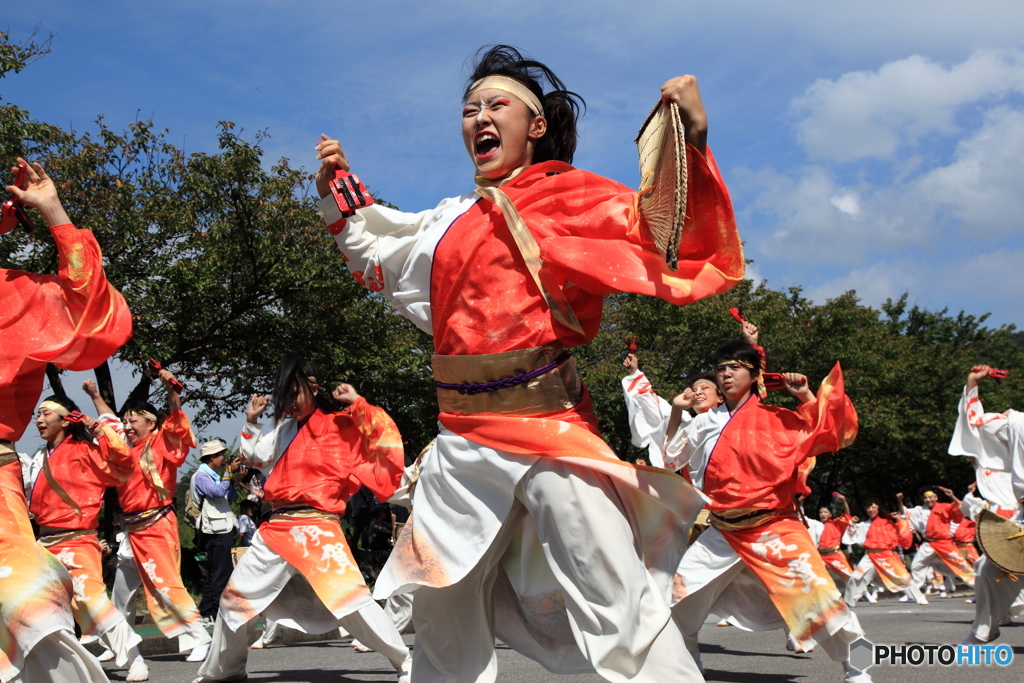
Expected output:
(294, 371)
(882, 511)
(76, 430)
(562, 108)
(250, 505)
(138, 405)
(741, 351)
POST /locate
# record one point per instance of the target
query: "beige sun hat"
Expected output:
(211, 449)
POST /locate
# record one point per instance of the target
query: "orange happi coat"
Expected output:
(939, 521)
(170, 446)
(764, 453)
(332, 454)
(84, 470)
(74, 319)
(888, 534)
(592, 238)
(833, 530)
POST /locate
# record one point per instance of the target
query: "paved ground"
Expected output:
(729, 654)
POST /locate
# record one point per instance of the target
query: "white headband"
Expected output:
(511, 86)
(54, 407)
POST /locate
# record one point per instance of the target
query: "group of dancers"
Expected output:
(526, 526)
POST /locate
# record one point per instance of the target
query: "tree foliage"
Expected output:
(225, 266)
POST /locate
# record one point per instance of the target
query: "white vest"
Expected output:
(216, 516)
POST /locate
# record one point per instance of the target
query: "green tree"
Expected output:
(224, 263)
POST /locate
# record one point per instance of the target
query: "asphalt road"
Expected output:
(729, 654)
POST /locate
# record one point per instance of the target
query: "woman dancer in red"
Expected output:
(66, 502)
(507, 278)
(159, 448)
(886, 533)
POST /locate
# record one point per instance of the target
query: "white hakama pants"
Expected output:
(60, 658)
(722, 585)
(995, 595)
(611, 608)
(864, 574)
(271, 580)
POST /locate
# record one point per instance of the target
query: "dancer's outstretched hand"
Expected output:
(631, 364)
(345, 394)
(796, 384)
(40, 192)
(257, 405)
(684, 92)
(331, 158)
(685, 400)
(751, 335)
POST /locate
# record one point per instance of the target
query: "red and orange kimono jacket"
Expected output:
(83, 470)
(885, 534)
(317, 467)
(74, 319)
(457, 273)
(939, 536)
(755, 462)
(830, 545)
(148, 496)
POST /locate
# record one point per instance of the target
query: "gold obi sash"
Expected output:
(284, 508)
(7, 453)
(51, 536)
(137, 521)
(875, 551)
(745, 518)
(825, 552)
(533, 381)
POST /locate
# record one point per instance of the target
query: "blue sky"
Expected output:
(874, 146)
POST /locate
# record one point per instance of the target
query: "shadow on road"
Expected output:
(719, 650)
(739, 677)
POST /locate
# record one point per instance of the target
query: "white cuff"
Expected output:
(328, 210)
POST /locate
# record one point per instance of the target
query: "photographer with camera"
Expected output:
(213, 489)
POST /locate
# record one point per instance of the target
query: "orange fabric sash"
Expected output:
(35, 589)
(93, 610)
(890, 569)
(158, 556)
(949, 553)
(316, 547)
(838, 565)
(783, 557)
(14, 519)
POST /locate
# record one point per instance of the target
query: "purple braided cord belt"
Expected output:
(472, 389)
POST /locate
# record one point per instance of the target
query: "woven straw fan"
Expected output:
(1002, 541)
(663, 178)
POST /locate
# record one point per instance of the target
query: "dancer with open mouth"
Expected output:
(507, 278)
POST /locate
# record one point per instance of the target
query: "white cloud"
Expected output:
(848, 203)
(813, 217)
(846, 214)
(866, 114)
(989, 282)
(982, 188)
